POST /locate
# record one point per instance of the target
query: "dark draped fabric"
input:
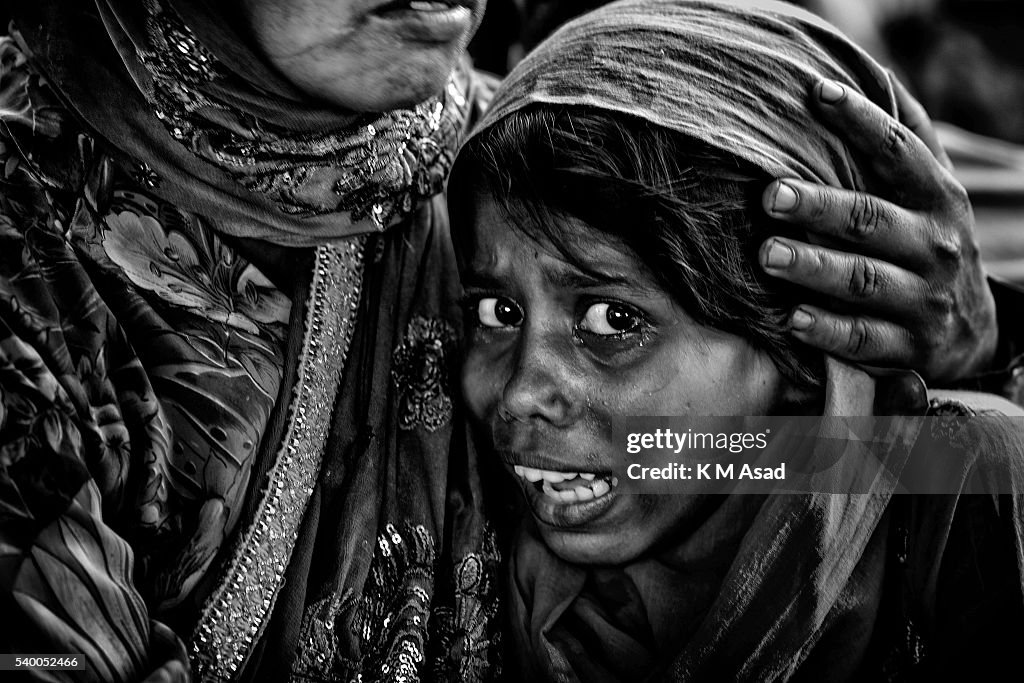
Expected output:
(228, 425)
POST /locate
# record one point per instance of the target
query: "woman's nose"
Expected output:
(541, 386)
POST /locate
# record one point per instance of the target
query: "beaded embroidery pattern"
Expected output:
(420, 374)
(236, 613)
(375, 169)
(392, 618)
(466, 634)
(406, 632)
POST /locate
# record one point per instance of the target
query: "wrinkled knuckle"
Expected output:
(818, 264)
(859, 338)
(894, 142)
(864, 219)
(949, 247)
(865, 280)
(939, 310)
(942, 308)
(834, 335)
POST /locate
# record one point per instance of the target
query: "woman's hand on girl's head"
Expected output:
(905, 264)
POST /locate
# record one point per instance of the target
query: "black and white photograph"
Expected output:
(471, 341)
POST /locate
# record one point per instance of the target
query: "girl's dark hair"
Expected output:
(688, 211)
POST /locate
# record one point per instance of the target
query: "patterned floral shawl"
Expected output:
(256, 446)
(205, 124)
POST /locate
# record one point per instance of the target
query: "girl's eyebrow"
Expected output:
(577, 279)
(475, 280)
(590, 277)
(564, 277)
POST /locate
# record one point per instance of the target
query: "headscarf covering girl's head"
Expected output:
(208, 125)
(734, 75)
(660, 122)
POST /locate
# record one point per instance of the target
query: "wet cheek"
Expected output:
(663, 386)
(481, 384)
(716, 379)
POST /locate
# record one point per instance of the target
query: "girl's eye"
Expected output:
(608, 319)
(498, 312)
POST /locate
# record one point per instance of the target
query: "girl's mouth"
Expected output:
(566, 499)
(567, 487)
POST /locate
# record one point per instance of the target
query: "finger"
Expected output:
(855, 338)
(895, 155)
(868, 283)
(917, 120)
(870, 225)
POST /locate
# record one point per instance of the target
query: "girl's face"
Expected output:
(556, 351)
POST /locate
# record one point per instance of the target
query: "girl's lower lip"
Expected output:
(429, 26)
(566, 515)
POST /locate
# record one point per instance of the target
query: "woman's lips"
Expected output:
(566, 499)
(428, 21)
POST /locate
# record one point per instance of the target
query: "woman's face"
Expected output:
(365, 55)
(555, 352)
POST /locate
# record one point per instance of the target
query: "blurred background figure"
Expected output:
(963, 58)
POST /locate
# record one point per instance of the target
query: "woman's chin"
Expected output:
(375, 82)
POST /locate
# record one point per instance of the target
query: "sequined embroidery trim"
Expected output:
(467, 638)
(236, 613)
(390, 620)
(421, 374)
(376, 168)
(462, 635)
(396, 604)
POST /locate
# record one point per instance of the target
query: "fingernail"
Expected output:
(779, 255)
(786, 199)
(831, 92)
(801, 320)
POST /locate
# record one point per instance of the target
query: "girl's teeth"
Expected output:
(588, 488)
(568, 496)
(532, 475)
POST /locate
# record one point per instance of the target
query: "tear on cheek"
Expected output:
(480, 389)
